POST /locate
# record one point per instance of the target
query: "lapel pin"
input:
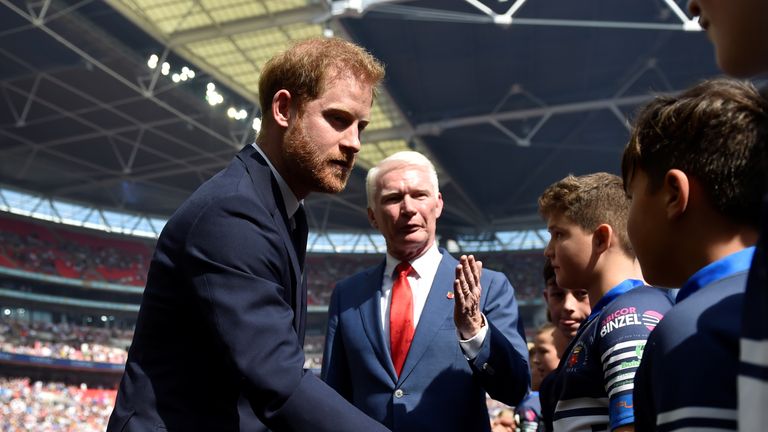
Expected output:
(449, 296)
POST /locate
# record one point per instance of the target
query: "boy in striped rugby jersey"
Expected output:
(592, 386)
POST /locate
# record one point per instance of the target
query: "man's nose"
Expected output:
(407, 205)
(351, 140)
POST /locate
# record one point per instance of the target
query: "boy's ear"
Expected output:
(602, 237)
(677, 191)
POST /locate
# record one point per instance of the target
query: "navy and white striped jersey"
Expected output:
(687, 377)
(593, 382)
(753, 370)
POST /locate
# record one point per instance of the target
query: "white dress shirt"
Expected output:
(420, 280)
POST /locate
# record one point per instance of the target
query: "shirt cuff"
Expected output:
(471, 347)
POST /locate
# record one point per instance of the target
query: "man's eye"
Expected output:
(338, 120)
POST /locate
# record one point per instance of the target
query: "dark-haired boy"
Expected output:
(586, 217)
(694, 174)
(739, 31)
(566, 310)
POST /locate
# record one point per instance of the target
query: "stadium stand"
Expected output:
(64, 341)
(61, 360)
(51, 406)
(43, 248)
(47, 249)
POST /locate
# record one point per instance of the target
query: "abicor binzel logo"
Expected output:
(651, 319)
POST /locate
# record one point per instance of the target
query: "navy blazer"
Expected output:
(438, 389)
(222, 320)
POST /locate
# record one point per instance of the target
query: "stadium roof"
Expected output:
(506, 96)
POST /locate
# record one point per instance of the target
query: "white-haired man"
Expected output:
(416, 341)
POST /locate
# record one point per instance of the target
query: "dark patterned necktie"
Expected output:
(299, 234)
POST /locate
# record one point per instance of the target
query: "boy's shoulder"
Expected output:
(642, 297)
(698, 337)
(717, 291)
(642, 306)
(703, 312)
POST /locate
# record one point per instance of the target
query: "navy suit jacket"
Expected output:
(438, 389)
(222, 318)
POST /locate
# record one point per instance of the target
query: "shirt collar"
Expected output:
(614, 292)
(291, 203)
(426, 262)
(726, 266)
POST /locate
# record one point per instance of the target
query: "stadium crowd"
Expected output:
(52, 407)
(49, 250)
(55, 251)
(64, 341)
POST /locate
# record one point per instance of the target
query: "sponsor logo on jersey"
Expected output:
(651, 319)
(631, 363)
(621, 405)
(619, 312)
(621, 318)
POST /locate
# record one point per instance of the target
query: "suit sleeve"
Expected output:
(502, 363)
(236, 263)
(335, 371)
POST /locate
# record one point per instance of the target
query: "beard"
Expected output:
(315, 171)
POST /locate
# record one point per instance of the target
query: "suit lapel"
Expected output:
(266, 186)
(436, 310)
(370, 314)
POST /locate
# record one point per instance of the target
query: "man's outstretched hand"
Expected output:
(467, 289)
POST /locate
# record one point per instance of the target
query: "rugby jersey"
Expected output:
(687, 377)
(593, 382)
(753, 369)
(547, 400)
(528, 413)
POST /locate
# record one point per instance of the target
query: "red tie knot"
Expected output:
(403, 267)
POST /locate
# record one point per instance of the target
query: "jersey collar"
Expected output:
(726, 266)
(613, 293)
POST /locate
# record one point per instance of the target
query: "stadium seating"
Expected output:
(47, 249)
(81, 256)
(51, 406)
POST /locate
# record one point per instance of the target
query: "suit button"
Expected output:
(487, 368)
(399, 393)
